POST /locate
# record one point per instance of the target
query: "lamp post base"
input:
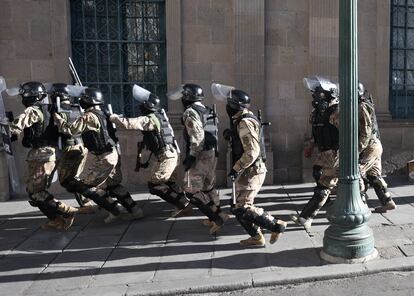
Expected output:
(338, 260)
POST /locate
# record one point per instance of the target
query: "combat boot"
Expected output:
(57, 223)
(66, 209)
(186, 211)
(223, 216)
(88, 208)
(275, 235)
(256, 241)
(389, 206)
(136, 213)
(110, 218)
(302, 221)
(214, 228)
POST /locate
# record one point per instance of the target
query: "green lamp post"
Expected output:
(348, 239)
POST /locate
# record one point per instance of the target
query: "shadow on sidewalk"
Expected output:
(245, 261)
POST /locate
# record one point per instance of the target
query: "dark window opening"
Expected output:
(118, 43)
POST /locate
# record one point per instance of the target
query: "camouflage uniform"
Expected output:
(370, 151)
(200, 178)
(102, 175)
(252, 170)
(41, 166)
(325, 168)
(162, 182)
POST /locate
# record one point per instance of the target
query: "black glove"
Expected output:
(227, 134)
(13, 138)
(188, 162)
(233, 174)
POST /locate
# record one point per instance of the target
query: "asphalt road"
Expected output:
(383, 284)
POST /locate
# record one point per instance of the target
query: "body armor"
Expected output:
(158, 141)
(73, 114)
(209, 127)
(102, 141)
(326, 135)
(41, 134)
(236, 144)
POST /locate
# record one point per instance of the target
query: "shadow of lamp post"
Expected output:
(348, 239)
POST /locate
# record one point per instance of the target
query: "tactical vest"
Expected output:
(103, 140)
(326, 135)
(158, 141)
(236, 144)
(73, 114)
(210, 128)
(41, 134)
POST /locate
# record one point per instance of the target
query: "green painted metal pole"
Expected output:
(348, 238)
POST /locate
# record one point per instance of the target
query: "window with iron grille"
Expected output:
(118, 43)
(402, 59)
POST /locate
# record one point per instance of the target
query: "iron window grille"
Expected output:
(402, 59)
(118, 43)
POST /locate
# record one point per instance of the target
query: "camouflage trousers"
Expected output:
(370, 159)
(163, 169)
(325, 172)
(327, 163)
(41, 164)
(248, 184)
(200, 180)
(71, 163)
(102, 170)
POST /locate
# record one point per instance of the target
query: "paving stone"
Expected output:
(408, 250)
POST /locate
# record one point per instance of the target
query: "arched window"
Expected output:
(116, 43)
(402, 59)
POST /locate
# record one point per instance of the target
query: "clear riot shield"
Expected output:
(140, 94)
(176, 94)
(15, 181)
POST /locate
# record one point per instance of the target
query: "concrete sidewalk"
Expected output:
(161, 255)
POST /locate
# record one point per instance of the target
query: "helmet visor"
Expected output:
(221, 92)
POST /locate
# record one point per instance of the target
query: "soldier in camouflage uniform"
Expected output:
(370, 151)
(73, 157)
(201, 138)
(101, 176)
(249, 170)
(40, 135)
(158, 138)
(325, 133)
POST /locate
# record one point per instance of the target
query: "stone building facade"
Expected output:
(264, 47)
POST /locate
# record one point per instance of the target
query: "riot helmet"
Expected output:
(237, 101)
(152, 104)
(32, 92)
(60, 90)
(191, 93)
(361, 89)
(90, 97)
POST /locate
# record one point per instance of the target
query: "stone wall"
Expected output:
(265, 47)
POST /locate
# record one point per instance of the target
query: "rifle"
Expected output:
(74, 74)
(262, 140)
(139, 164)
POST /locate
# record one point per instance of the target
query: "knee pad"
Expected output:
(317, 172)
(377, 182)
(118, 191)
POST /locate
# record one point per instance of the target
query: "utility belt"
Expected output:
(107, 149)
(323, 149)
(43, 143)
(162, 150)
(73, 141)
